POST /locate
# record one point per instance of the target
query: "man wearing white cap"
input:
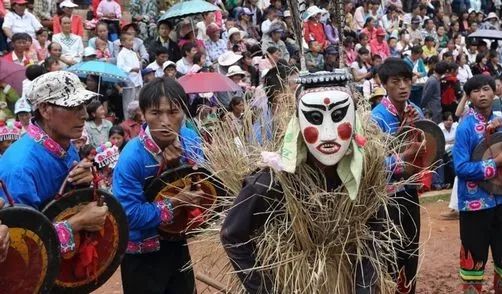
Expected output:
(35, 166)
(77, 25)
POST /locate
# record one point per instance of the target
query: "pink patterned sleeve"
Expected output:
(166, 211)
(65, 235)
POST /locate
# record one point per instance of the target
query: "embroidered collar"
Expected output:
(392, 109)
(149, 144)
(39, 136)
(478, 116)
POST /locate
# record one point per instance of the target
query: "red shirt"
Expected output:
(10, 57)
(77, 26)
(131, 128)
(315, 31)
(381, 49)
(372, 34)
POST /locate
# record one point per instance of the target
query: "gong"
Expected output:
(33, 258)
(486, 149)
(169, 183)
(109, 244)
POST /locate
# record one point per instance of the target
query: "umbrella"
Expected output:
(205, 82)
(188, 8)
(106, 71)
(12, 74)
(487, 34)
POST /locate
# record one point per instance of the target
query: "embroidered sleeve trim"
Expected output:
(489, 169)
(166, 211)
(66, 237)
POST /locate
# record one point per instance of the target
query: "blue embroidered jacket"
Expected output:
(386, 116)
(34, 168)
(471, 197)
(139, 162)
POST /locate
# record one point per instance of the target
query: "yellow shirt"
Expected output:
(429, 52)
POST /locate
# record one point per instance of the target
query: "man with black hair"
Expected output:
(480, 210)
(153, 264)
(161, 56)
(393, 112)
(416, 63)
(19, 43)
(431, 94)
(163, 40)
(184, 65)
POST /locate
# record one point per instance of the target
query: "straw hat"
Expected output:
(228, 58)
(312, 11)
(235, 70)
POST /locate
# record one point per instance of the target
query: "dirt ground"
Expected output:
(439, 262)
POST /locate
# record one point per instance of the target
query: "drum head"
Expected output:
(32, 262)
(486, 151)
(434, 145)
(110, 247)
(168, 185)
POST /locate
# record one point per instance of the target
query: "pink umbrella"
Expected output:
(205, 82)
(12, 74)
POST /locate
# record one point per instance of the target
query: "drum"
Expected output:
(98, 254)
(170, 182)
(33, 259)
(488, 148)
(423, 130)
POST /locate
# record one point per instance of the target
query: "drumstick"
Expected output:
(6, 193)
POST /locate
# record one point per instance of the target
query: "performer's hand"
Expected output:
(187, 197)
(81, 174)
(4, 239)
(91, 218)
(494, 125)
(172, 153)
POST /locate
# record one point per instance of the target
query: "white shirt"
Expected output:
(27, 23)
(183, 66)
(265, 26)
(71, 44)
(157, 68)
(464, 73)
(127, 60)
(449, 136)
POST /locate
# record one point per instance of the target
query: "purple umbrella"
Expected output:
(12, 74)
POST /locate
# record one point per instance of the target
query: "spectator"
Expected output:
(416, 63)
(370, 29)
(19, 20)
(77, 26)
(446, 172)
(102, 50)
(379, 46)
(164, 29)
(89, 54)
(360, 15)
(350, 53)
(132, 125)
(138, 45)
(451, 89)
(184, 65)
(245, 24)
(416, 36)
(145, 13)
(313, 28)
(170, 70)
(235, 112)
(110, 12)
(491, 22)
(235, 40)
(450, 48)
(332, 31)
(96, 126)
(370, 85)
(361, 67)
(18, 55)
(187, 35)
(431, 95)
(497, 101)
(44, 10)
(481, 65)
(30, 50)
(161, 56)
(215, 46)
(403, 44)
(377, 96)
(128, 61)
(493, 64)
(429, 48)
(391, 20)
(41, 44)
(22, 111)
(430, 31)
(314, 59)
(116, 136)
(363, 42)
(271, 17)
(207, 19)
(148, 75)
(102, 34)
(464, 71)
(331, 59)
(72, 45)
(52, 64)
(392, 42)
(275, 31)
(237, 75)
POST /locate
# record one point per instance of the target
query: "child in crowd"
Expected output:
(102, 50)
(41, 44)
(117, 137)
(314, 58)
(97, 126)
(9, 133)
(129, 61)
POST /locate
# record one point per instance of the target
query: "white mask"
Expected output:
(327, 120)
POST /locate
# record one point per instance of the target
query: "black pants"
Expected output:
(406, 215)
(479, 231)
(158, 272)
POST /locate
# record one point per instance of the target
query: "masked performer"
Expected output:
(153, 264)
(480, 209)
(394, 112)
(302, 226)
(35, 166)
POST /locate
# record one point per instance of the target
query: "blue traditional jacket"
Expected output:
(139, 162)
(35, 167)
(386, 116)
(471, 196)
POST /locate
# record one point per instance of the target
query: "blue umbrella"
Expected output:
(188, 8)
(107, 72)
